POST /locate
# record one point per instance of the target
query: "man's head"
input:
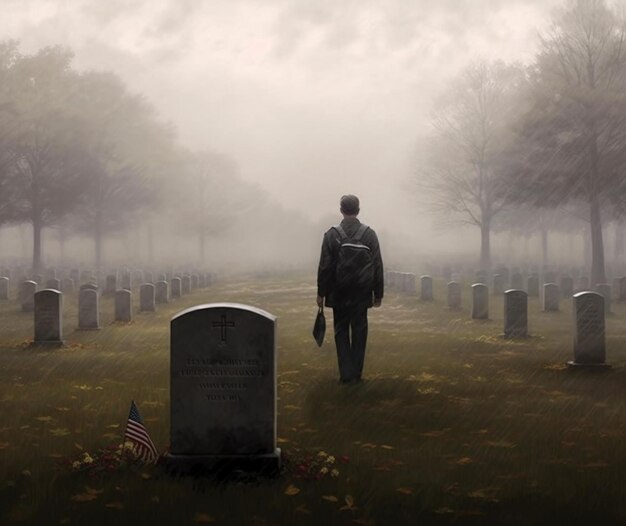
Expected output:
(349, 205)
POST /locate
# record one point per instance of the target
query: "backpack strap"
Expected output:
(360, 232)
(341, 231)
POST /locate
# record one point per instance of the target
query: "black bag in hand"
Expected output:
(319, 329)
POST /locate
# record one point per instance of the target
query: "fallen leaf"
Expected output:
(501, 443)
(44, 418)
(303, 509)
(406, 491)
(83, 497)
(349, 504)
(145, 476)
(113, 426)
(203, 518)
(78, 446)
(93, 491)
(115, 505)
(59, 432)
(464, 461)
(384, 446)
(291, 490)
(369, 445)
(330, 498)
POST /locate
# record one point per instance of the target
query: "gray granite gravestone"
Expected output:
(498, 285)
(176, 288)
(567, 286)
(27, 295)
(454, 295)
(533, 286)
(551, 297)
(480, 301)
(515, 314)
(88, 309)
(161, 292)
(223, 390)
(124, 305)
(48, 317)
(589, 331)
(146, 298)
(186, 285)
(426, 288)
(604, 289)
(4, 288)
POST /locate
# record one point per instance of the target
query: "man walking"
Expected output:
(350, 280)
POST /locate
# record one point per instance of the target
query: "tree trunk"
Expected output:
(619, 244)
(598, 274)
(485, 246)
(97, 238)
(37, 228)
(544, 246)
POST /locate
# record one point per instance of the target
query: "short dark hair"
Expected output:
(349, 204)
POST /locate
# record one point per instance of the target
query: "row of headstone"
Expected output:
(402, 282)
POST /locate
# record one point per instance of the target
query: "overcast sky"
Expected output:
(313, 98)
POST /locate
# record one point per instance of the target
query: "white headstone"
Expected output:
(426, 283)
(27, 295)
(454, 295)
(123, 305)
(161, 292)
(176, 288)
(146, 298)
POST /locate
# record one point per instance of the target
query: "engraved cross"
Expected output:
(223, 325)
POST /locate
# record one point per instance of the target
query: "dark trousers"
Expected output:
(350, 338)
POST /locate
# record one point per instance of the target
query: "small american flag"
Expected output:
(139, 438)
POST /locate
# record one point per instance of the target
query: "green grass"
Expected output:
(454, 425)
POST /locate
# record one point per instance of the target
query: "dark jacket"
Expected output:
(328, 261)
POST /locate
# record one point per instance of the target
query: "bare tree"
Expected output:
(461, 170)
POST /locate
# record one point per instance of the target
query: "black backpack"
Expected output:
(355, 264)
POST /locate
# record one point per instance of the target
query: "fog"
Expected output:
(311, 100)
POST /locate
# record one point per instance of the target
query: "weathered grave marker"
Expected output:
(589, 331)
(454, 295)
(48, 317)
(146, 298)
(124, 305)
(223, 390)
(480, 301)
(88, 309)
(426, 286)
(515, 314)
(551, 297)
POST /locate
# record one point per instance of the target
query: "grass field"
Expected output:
(453, 425)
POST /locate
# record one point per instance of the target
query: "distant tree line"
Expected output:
(82, 154)
(537, 147)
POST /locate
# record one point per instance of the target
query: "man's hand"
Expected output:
(320, 301)
(378, 302)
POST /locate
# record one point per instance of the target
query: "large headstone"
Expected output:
(454, 295)
(176, 288)
(223, 389)
(161, 292)
(88, 309)
(426, 287)
(551, 297)
(589, 331)
(146, 298)
(533, 286)
(4, 288)
(480, 301)
(124, 305)
(27, 295)
(49, 317)
(515, 314)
